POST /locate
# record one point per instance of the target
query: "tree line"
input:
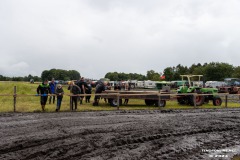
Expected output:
(214, 71)
(25, 78)
(58, 74)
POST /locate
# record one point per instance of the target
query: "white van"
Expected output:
(214, 84)
(149, 84)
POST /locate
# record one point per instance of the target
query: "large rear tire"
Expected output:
(199, 100)
(217, 101)
(181, 100)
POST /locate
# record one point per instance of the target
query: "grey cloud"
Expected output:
(96, 37)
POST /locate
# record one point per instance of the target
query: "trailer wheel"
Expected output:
(132, 86)
(162, 103)
(113, 102)
(217, 101)
(149, 102)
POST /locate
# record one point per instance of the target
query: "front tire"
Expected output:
(217, 101)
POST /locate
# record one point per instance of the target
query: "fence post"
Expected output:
(117, 101)
(159, 100)
(71, 104)
(14, 98)
(226, 100)
(194, 100)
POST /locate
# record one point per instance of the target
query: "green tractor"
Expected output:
(190, 87)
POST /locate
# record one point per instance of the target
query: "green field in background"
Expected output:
(28, 102)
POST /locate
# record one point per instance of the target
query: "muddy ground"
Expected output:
(156, 134)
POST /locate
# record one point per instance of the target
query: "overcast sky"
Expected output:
(132, 36)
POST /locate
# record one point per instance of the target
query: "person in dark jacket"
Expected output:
(59, 93)
(82, 85)
(74, 90)
(44, 90)
(117, 87)
(88, 91)
(127, 88)
(52, 85)
(99, 89)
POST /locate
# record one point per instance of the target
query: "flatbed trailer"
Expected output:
(151, 98)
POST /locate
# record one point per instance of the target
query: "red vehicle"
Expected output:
(232, 86)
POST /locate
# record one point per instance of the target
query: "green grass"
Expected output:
(27, 102)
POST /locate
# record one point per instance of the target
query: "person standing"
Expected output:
(107, 87)
(99, 89)
(88, 91)
(59, 92)
(127, 88)
(44, 90)
(52, 85)
(117, 87)
(82, 85)
(74, 90)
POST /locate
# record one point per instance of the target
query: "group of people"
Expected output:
(81, 87)
(56, 90)
(52, 89)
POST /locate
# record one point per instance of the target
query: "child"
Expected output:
(59, 92)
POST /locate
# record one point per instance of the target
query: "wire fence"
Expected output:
(13, 102)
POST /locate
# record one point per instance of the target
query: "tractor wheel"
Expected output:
(149, 102)
(206, 100)
(181, 100)
(113, 102)
(162, 103)
(199, 100)
(184, 100)
(217, 101)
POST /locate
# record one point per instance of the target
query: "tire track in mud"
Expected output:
(164, 152)
(63, 144)
(32, 146)
(123, 136)
(130, 140)
(126, 142)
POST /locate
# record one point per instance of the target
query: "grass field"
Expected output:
(28, 102)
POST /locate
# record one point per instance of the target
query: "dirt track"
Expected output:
(191, 134)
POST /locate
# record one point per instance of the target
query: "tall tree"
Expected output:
(217, 71)
(169, 73)
(60, 74)
(152, 75)
(236, 72)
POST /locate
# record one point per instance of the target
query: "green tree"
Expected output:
(115, 76)
(152, 75)
(179, 70)
(193, 67)
(60, 74)
(169, 73)
(236, 72)
(217, 71)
